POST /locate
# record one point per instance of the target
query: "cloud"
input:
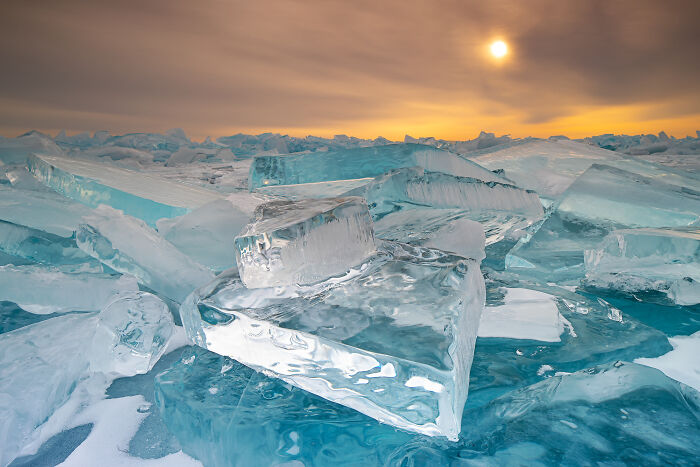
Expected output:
(339, 66)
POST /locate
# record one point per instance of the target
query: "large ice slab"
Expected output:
(550, 167)
(40, 365)
(413, 205)
(301, 242)
(131, 335)
(129, 246)
(138, 194)
(207, 233)
(47, 211)
(603, 199)
(359, 163)
(393, 339)
(635, 260)
(224, 413)
(44, 289)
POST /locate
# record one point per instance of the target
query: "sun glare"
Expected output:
(499, 49)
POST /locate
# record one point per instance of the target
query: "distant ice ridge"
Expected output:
(393, 338)
(137, 194)
(357, 164)
(601, 200)
(129, 246)
(301, 242)
(634, 260)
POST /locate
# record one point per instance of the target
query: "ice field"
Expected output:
(268, 300)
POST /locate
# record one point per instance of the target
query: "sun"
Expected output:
(499, 49)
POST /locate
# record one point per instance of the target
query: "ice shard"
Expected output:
(39, 246)
(40, 365)
(138, 194)
(47, 211)
(393, 338)
(207, 233)
(224, 413)
(412, 205)
(634, 260)
(45, 289)
(601, 200)
(358, 164)
(131, 335)
(301, 242)
(129, 246)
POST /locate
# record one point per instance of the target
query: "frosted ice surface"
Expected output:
(300, 242)
(634, 260)
(525, 314)
(138, 194)
(601, 200)
(47, 211)
(550, 167)
(463, 237)
(393, 339)
(44, 289)
(411, 205)
(681, 363)
(129, 246)
(132, 333)
(207, 233)
(40, 366)
(359, 163)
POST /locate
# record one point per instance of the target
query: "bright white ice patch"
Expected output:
(681, 363)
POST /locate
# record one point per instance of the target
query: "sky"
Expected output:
(363, 68)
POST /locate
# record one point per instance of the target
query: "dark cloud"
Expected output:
(213, 66)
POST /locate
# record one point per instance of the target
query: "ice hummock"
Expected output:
(601, 200)
(131, 335)
(129, 246)
(393, 339)
(301, 242)
(138, 194)
(358, 164)
(46, 289)
(634, 260)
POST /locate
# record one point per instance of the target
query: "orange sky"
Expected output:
(362, 68)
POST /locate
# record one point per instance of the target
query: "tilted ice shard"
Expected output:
(601, 200)
(44, 289)
(634, 260)
(300, 242)
(40, 366)
(206, 234)
(140, 195)
(39, 246)
(47, 211)
(394, 338)
(359, 163)
(550, 167)
(129, 246)
(132, 333)
(224, 413)
(412, 205)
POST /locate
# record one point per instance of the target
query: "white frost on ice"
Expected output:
(682, 363)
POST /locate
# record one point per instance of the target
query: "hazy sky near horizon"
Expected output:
(363, 68)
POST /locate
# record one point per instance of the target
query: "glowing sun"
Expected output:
(499, 49)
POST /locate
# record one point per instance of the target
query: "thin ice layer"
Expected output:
(634, 260)
(44, 289)
(140, 195)
(301, 242)
(129, 246)
(414, 205)
(206, 234)
(601, 200)
(40, 365)
(359, 163)
(393, 339)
